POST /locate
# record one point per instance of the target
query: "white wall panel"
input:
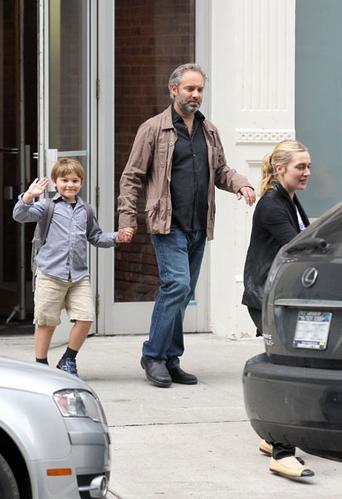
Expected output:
(252, 103)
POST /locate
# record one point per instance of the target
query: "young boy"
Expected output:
(62, 278)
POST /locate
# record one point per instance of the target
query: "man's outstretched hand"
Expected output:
(248, 193)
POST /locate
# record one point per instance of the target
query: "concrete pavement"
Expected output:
(184, 441)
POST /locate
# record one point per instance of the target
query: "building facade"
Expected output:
(79, 76)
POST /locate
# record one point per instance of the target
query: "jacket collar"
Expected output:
(166, 118)
(294, 203)
(283, 192)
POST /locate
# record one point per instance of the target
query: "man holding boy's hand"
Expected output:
(177, 160)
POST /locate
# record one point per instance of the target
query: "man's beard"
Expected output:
(189, 108)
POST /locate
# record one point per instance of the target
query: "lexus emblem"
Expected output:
(309, 277)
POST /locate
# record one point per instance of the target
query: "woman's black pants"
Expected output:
(279, 450)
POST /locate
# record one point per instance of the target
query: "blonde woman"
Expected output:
(278, 218)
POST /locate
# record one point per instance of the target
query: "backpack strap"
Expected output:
(90, 216)
(40, 235)
(45, 222)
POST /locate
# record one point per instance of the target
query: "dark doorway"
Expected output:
(18, 156)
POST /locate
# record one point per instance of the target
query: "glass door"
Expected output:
(65, 84)
(158, 39)
(66, 91)
(18, 143)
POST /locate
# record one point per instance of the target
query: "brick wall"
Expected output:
(152, 37)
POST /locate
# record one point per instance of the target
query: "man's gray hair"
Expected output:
(177, 74)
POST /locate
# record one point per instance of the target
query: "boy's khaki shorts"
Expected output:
(52, 295)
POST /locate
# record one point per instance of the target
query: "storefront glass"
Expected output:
(318, 98)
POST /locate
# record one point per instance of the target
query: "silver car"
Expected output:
(54, 440)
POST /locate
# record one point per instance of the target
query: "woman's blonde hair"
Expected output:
(282, 154)
(67, 166)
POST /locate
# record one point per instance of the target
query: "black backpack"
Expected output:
(42, 229)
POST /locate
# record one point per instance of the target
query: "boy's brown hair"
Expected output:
(67, 166)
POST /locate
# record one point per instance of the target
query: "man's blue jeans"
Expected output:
(179, 257)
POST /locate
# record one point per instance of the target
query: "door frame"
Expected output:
(134, 317)
(47, 156)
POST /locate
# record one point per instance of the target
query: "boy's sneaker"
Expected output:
(68, 365)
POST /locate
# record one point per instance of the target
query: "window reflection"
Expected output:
(68, 74)
(318, 102)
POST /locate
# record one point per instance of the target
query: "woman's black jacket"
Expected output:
(275, 223)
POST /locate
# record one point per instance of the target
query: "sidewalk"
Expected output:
(185, 441)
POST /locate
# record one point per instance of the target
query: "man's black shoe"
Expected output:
(179, 376)
(156, 372)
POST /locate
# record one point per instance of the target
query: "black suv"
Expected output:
(293, 392)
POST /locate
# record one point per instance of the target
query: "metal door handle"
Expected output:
(10, 150)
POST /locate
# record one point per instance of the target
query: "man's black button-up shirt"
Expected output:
(189, 175)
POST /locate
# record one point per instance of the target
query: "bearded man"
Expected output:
(176, 160)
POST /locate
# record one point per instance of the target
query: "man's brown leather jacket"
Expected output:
(148, 172)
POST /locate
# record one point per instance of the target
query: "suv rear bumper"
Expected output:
(295, 405)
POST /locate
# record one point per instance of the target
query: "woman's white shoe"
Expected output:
(290, 467)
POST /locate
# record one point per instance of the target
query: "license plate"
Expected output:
(312, 330)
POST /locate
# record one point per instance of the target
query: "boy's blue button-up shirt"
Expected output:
(64, 254)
